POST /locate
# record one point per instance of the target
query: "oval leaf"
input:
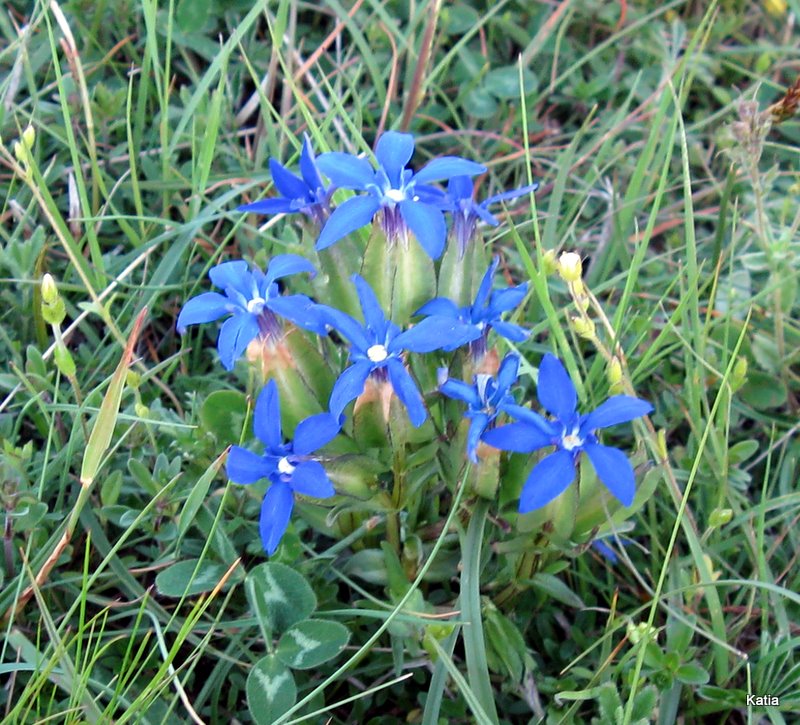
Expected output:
(180, 579)
(270, 690)
(279, 596)
(223, 415)
(309, 643)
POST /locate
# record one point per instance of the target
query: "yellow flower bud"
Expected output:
(49, 289)
(21, 153)
(549, 262)
(739, 374)
(583, 328)
(570, 267)
(720, 517)
(29, 137)
(614, 371)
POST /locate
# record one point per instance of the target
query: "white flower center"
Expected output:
(572, 441)
(377, 353)
(395, 195)
(285, 467)
(256, 305)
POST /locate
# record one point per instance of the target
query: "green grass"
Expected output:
(153, 121)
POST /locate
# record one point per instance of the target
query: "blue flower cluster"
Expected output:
(403, 202)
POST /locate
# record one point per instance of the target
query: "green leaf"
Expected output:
(503, 82)
(763, 391)
(480, 103)
(644, 703)
(368, 565)
(743, 450)
(311, 642)
(191, 15)
(197, 495)
(692, 674)
(223, 415)
(279, 596)
(270, 690)
(555, 588)
(180, 579)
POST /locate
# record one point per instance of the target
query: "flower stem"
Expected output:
(470, 604)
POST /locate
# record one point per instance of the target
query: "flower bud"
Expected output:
(29, 137)
(638, 632)
(49, 289)
(614, 371)
(570, 267)
(550, 263)
(21, 153)
(720, 517)
(132, 379)
(55, 313)
(583, 327)
(739, 374)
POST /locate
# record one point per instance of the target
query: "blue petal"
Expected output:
(406, 389)
(351, 215)
(460, 188)
(276, 510)
(507, 299)
(476, 429)
(308, 166)
(393, 151)
(518, 438)
(301, 311)
(289, 185)
(510, 331)
(267, 418)
(314, 432)
(435, 333)
(439, 306)
(614, 469)
(525, 415)
(234, 337)
(374, 317)
(548, 479)
(605, 550)
(507, 374)
(283, 265)
(428, 226)
(349, 386)
(310, 479)
(482, 213)
(460, 390)
(346, 326)
(233, 274)
(445, 167)
(486, 285)
(513, 194)
(243, 466)
(555, 390)
(345, 170)
(278, 205)
(618, 409)
(206, 307)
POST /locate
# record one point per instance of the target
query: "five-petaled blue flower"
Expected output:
(482, 315)
(404, 197)
(253, 298)
(467, 213)
(572, 434)
(377, 347)
(289, 466)
(305, 193)
(487, 398)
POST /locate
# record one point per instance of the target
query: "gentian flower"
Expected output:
(289, 466)
(406, 200)
(253, 299)
(482, 315)
(305, 193)
(467, 213)
(486, 399)
(571, 434)
(376, 350)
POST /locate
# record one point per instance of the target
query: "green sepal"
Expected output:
(377, 269)
(414, 280)
(333, 284)
(55, 313)
(64, 361)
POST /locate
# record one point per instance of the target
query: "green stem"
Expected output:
(470, 604)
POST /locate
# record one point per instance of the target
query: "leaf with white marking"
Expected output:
(309, 643)
(279, 597)
(270, 690)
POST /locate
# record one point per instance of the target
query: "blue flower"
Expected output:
(377, 347)
(571, 434)
(467, 213)
(482, 315)
(486, 399)
(306, 193)
(405, 198)
(289, 466)
(253, 299)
